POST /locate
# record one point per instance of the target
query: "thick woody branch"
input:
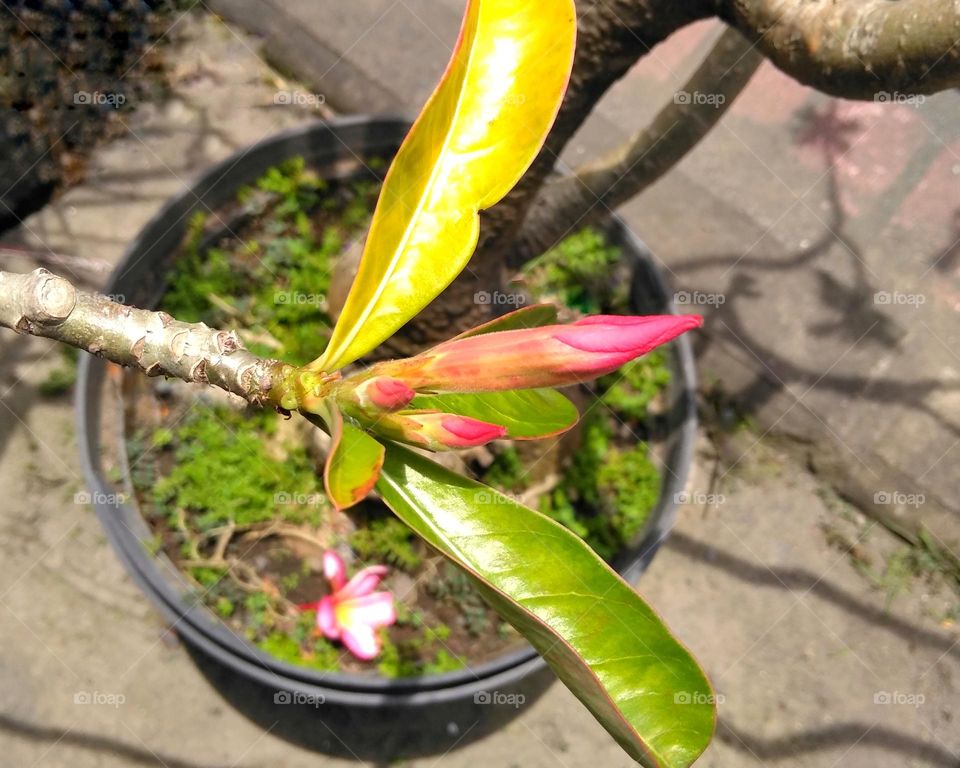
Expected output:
(586, 196)
(42, 304)
(858, 49)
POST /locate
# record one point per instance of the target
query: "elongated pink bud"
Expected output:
(549, 356)
(437, 431)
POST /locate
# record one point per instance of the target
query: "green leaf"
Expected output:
(528, 414)
(353, 464)
(534, 316)
(474, 139)
(597, 634)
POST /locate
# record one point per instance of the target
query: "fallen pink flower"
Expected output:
(548, 356)
(354, 611)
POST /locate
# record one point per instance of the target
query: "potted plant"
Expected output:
(274, 520)
(492, 382)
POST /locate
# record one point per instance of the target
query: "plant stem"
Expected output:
(43, 304)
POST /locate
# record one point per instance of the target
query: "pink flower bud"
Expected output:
(437, 431)
(549, 356)
(386, 393)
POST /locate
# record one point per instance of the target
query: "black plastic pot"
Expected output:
(366, 717)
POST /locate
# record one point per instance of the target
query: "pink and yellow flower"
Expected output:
(354, 610)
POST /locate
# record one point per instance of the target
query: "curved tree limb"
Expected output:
(858, 49)
(587, 195)
(42, 304)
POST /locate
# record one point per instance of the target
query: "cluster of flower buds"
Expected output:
(383, 398)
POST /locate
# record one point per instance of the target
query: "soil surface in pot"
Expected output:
(233, 495)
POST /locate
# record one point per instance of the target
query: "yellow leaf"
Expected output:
(474, 139)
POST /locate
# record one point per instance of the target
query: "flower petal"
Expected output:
(376, 610)
(363, 583)
(334, 569)
(362, 642)
(359, 618)
(327, 621)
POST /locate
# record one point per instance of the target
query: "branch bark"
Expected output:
(858, 49)
(43, 304)
(575, 201)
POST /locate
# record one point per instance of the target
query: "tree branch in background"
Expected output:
(858, 49)
(585, 197)
(42, 304)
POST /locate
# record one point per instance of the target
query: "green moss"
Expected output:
(631, 390)
(317, 654)
(386, 540)
(277, 290)
(405, 659)
(454, 586)
(64, 376)
(506, 472)
(608, 492)
(579, 273)
(224, 472)
(444, 661)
